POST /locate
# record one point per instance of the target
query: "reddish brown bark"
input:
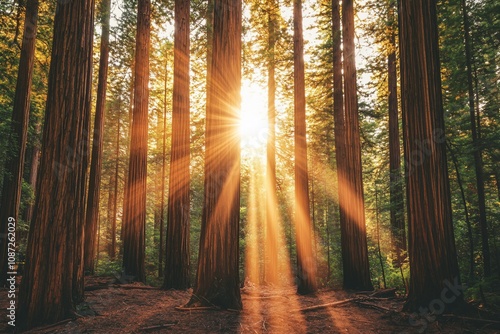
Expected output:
(53, 279)
(353, 227)
(92, 214)
(431, 247)
(177, 247)
(217, 281)
(306, 264)
(134, 205)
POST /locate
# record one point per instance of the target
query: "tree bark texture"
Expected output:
(306, 264)
(134, 206)
(92, 214)
(353, 230)
(177, 247)
(398, 230)
(53, 279)
(431, 247)
(217, 281)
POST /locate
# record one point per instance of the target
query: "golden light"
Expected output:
(253, 126)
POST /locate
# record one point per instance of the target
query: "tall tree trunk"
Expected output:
(398, 232)
(432, 253)
(18, 135)
(338, 109)
(272, 216)
(478, 160)
(177, 256)
(134, 205)
(354, 245)
(217, 281)
(53, 279)
(306, 264)
(92, 214)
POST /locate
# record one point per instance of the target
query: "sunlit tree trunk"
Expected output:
(398, 231)
(92, 214)
(432, 253)
(338, 105)
(177, 255)
(306, 264)
(478, 159)
(134, 205)
(217, 281)
(353, 228)
(18, 134)
(53, 279)
(272, 216)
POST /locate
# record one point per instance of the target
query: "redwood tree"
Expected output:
(353, 227)
(134, 204)
(177, 246)
(306, 266)
(14, 164)
(53, 279)
(431, 247)
(92, 214)
(272, 215)
(217, 281)
(398, 231)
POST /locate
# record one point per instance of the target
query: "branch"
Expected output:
(322, 306)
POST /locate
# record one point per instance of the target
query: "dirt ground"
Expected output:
(128, 309)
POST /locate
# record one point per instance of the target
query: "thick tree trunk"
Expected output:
(53, 278)
(217, 280)
(92, 214)
(14, 164)
(134, 205)
(478, 160)
(306, 264)
(272, 215)
(177, 255)
(432, 253)
(398, 231)
(353, 237)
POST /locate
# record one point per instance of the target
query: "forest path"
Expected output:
(133, 309)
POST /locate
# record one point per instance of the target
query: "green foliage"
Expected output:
(486, 294)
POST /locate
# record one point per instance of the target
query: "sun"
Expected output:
(253, 125)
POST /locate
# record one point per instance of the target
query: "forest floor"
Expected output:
(133, 308)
